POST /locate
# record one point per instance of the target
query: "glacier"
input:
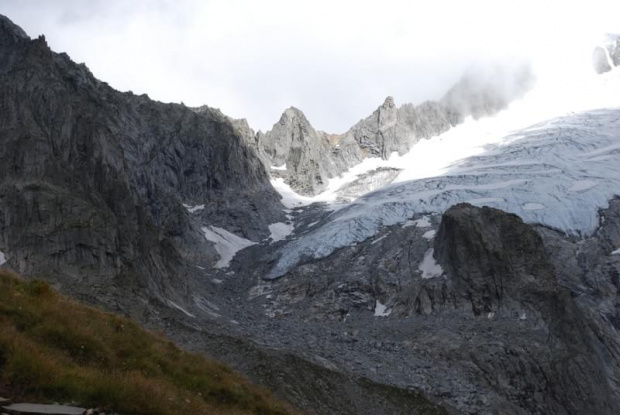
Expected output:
(558, 173)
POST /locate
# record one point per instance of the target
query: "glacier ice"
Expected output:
(558, 173)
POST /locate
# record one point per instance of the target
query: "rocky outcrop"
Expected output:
(307, 157)
(476, 309)
(313, 157)
(93, 181)
(607, 56)
(496, 263)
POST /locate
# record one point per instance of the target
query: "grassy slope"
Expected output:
(54, 349)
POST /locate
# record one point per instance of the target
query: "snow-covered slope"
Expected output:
(557, 172)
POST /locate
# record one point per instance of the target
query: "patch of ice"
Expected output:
(533, 206)
(226, 244)
(178, 307)
(2, 258)
(542, 163)
(280, 231)
(423, 222)
(582, 185)
(193, 209)
(616, 252)
(381, 310)
(429, 234)
(429, 267)
(282, 167)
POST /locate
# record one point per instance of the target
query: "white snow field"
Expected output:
(552, 158)
(226, 244)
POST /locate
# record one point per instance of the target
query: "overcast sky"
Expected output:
(335, 60)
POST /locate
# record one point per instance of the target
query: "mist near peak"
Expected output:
(336, 61)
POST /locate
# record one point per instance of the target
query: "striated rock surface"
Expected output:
(93, 181)
(475, 308)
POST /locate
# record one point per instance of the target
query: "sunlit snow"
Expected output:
(558, 172)
(2, 258)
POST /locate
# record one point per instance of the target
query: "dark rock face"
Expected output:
(497, 263)
(92, 180)
(607, 56)
(313, 157)
(507, 326)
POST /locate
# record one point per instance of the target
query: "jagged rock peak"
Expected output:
(292, 114)
(389, 102)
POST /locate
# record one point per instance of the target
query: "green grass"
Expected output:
(55, 349)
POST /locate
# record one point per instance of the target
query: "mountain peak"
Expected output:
(389, 102)
(9, 30)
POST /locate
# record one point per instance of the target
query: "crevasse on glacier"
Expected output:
(557, 173)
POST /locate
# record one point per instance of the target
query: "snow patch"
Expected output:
(616, 252)
(216, 281)
(193, 209)
(423, 222)
(226, 244)
(2, 258)
(429, 267)
(582, 185)
(282, 167)
(429, 234)
(378, 239)
(178, 307)
(312, 224)
(381, 310)
(533, 206)
(280, 231)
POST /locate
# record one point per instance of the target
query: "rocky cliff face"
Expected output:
(312, 157)
(475, 308)
(93, 181)
(469, 311)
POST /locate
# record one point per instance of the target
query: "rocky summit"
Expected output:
(306, 159)
(486, 285)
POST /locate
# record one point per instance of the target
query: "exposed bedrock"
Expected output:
(308, 158)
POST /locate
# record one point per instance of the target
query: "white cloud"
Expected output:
(336, 60)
